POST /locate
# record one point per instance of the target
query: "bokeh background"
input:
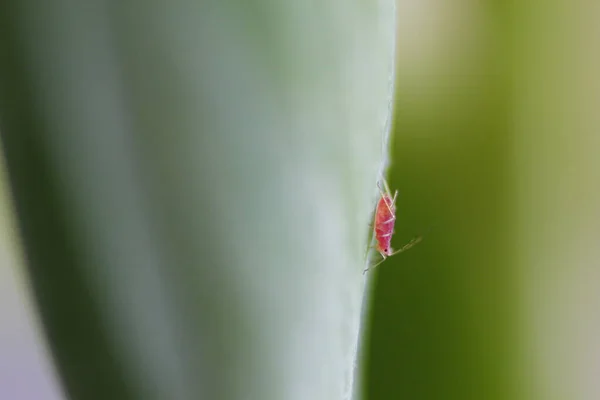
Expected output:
(496, 155)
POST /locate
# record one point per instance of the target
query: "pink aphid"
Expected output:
(385, 219)
(383, 225)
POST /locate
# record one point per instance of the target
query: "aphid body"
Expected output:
(385, 219)
(383, 225)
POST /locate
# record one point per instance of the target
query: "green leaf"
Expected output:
(193, 183)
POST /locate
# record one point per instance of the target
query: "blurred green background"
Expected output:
(239, 189)
(496, 155)
(444, 314)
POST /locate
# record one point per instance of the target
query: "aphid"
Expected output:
(383, 225)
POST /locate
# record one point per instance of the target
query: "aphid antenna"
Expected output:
(386, 195)
(387, 187)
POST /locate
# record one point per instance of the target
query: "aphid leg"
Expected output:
(408, 245)
(369, 247)
(371, 267)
